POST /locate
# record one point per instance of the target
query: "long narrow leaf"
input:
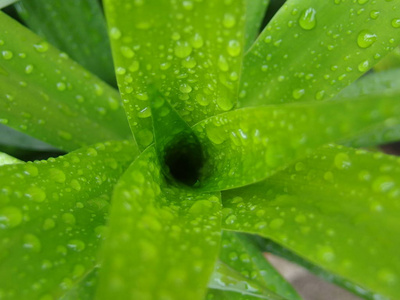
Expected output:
(163, 241)
(52, 218)
(6, 159)
(247, 145)
(190, 50)
(46, 95)
(312, 49)
(339, 208)
(75, 27)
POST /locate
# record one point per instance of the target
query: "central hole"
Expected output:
(184, 159)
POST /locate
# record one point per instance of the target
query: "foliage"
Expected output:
(216, 132)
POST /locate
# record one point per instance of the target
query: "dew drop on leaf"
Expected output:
(366, 39)
(307, 19)
(10, 217)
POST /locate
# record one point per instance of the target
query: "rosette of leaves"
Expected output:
(216, 132)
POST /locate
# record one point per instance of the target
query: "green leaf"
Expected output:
(255, 11)
(75, 27)
(269, 246)
(247, 145)
(215, 294)
(240, 253)
(163, 241)
(226, 281)
(45, 94)
(391, 61)
(339, 208)
(6, 159)
(52, 217)
(4, 3)
(385, 84)
(190, 50)
(312, 49)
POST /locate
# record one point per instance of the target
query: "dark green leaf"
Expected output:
(312, 49)
(75, 27)
(339, 208)
(52, 216)
(46, 95)
(163, 241)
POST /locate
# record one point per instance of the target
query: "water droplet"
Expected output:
(222, 63)
(342, 161)
(7, 55)
(196, 41)
(229, 20)
(362, 1)
(28, 69)
(225, 103)
(10, 217)
(31, 242)
(200, 207)
(61, 86)
(364, 66)
(276, 223)
(365, 39)
(185, 88)
(57, 175)
(230, 220)
(298, 93)
(307, 19)
(214, 135)
(396, 23)
(41, 47)
(115, 33)
(383, 184)
(48, 224)
(75, 185)
(36, 194)
(374, 14)
(234, 48)
(127, 52)
(68, 218)
(182, 49)
(78, 271)
(76, 245)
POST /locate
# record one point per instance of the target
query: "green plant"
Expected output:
(211, 110)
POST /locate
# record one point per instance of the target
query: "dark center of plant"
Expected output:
(184, 159)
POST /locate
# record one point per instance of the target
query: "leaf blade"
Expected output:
(174, 234)
(195, 67)
(336, 42)
(42, 89)
(342, 226)
(52, 217)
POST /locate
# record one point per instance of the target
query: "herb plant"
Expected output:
(216, 133)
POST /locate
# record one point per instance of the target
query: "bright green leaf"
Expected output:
(247, 145)
(190, 50)
(163, 241)
(241, 254)
(339, 208)
(255, 11)
(75, 27)
(52, 216)
(312, 49)
(45, 94)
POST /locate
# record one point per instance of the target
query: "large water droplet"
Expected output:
(10, 217)
(365, 39)
(308, 19)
